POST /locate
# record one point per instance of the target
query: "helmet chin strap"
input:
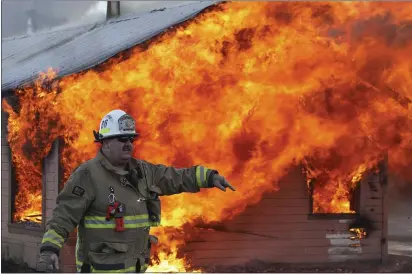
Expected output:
(97, 137)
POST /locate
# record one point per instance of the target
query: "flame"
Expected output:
(246, 88)
(332, 193)
(360, 233)
(29, 142)
(165, 256)
(169, 262)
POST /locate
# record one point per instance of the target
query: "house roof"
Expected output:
(78, 48)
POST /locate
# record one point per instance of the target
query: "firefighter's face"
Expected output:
(118, 150)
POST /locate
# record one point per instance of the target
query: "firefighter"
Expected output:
(113, 200)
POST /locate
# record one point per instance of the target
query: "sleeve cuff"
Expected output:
(50, 248)
(204, 177)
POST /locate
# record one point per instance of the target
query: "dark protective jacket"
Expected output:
(84, 201)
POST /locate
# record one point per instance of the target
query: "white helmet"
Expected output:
(116, 123)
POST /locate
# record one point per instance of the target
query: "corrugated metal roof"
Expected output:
(79, 48)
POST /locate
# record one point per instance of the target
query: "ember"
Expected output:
(247, 88)
(361, 227)
(360, 233)
(33, 218)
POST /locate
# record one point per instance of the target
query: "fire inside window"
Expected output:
(26, 199)
(29, 183)
(330, 198)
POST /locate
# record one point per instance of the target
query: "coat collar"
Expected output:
(106, 163)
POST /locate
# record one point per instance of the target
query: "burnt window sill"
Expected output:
(35, 231)
(332, 216)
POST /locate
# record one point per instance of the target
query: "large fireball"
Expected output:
(247, 88)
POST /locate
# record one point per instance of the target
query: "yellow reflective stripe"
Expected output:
(99, 225)
(50, 240)
(55, 234)
(131, 269)
(136, 225)
(133, 221)
(137, 217)
(201, 176)
(103, 218)
(98, 218)
(113, 225)
(79, 261)
(53, 237)
(199, 183)
(154, 223)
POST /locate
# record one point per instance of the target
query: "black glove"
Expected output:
(221, 183)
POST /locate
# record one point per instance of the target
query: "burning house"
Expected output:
(294, 112)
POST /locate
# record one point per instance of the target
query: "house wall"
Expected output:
(17, 242)
(278, 230)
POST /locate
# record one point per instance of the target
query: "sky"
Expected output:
(47, 14)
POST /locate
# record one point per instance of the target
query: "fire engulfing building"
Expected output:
(297, 218)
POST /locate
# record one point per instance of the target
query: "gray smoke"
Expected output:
(48, 14)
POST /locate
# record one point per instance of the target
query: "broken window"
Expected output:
(32, 200)
(330, 197)
(334, 198)
(26, 197)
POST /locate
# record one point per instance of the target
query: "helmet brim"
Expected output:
(116, 136)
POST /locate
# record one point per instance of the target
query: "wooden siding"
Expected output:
(278, 230)
(19, 243)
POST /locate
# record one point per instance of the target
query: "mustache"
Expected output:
(127, 147)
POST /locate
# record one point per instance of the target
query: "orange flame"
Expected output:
(360, 233)
(169, 262)
(246, 88)
(332, 193)
(165, 256)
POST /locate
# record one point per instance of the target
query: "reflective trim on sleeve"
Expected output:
(153, 224)
(78, 254)
(201, 176)
(154, 220)
(51, 237)
(129, 221)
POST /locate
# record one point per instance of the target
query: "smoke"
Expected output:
(140, 6)
(48, 14)
(95, 13)
(45, 14)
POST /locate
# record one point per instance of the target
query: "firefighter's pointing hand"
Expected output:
(221, 183)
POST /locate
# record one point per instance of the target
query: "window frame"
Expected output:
(356, 196)
(21, 228)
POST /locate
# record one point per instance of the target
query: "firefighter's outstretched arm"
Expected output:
(173, 180)
(72, 202)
